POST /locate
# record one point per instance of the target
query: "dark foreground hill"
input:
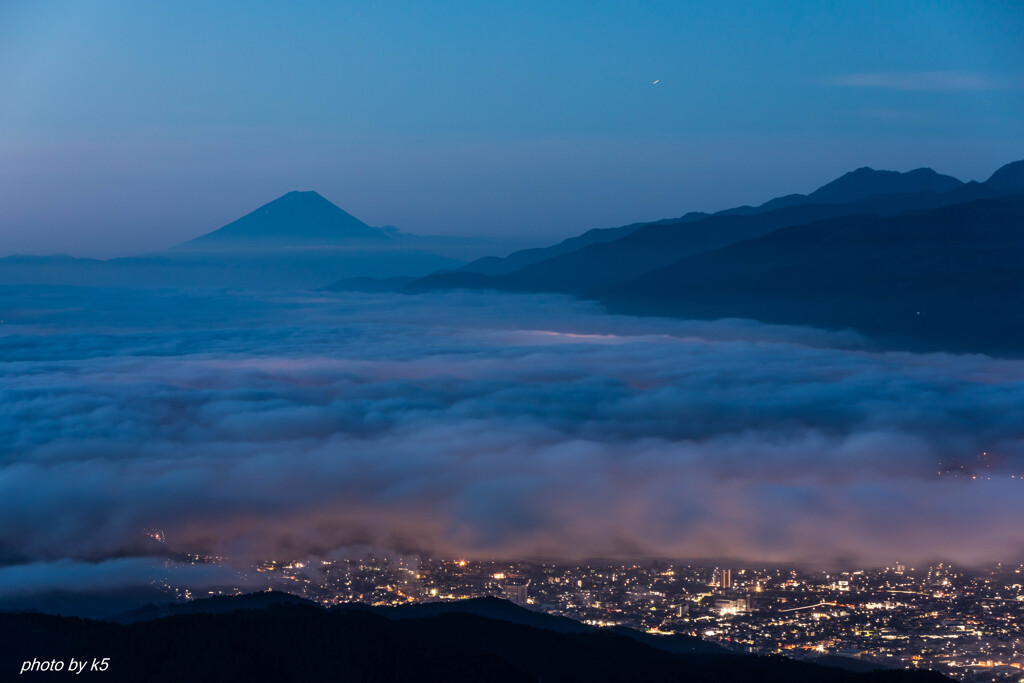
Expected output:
(488, 608)
(301, 642)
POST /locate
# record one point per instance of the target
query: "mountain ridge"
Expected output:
(608, 271)
(937, 279)
(918, 188)
(921, 188)
(284, 640)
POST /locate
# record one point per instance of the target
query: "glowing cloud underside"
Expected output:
(487, 425)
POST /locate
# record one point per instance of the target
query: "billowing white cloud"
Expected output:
(952, 81)
(488, 425)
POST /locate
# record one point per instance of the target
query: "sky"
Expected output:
(130, 126)
(485, 425)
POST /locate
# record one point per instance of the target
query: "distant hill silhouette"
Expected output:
(627, 273)
(294, 219)
(851, 187)
(593, 267)
(866, 182)
(493, 265)
(582, 264)
(1007, 180)
(948, 278)
(302, 642)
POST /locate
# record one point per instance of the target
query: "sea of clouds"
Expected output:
(289, 425)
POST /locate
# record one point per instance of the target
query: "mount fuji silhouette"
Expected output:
(299, 240)
(294, 219)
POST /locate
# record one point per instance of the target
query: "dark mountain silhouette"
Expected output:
(1007, 180)
(291, 642)
(591, 268)
(495, 608)
(851, 187)
(651, 246)
(867, 182)
(859, 185)
(490, 608)
(493, 265)
(850, 663)
(947, 278)
(615, 271)
(592, 261)
(294, 219)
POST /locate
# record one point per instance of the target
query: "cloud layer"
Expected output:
(941, 81)
(488, 425)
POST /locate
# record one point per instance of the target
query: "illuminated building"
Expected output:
(515, 591)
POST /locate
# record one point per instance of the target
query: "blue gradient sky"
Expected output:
(130, 126)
